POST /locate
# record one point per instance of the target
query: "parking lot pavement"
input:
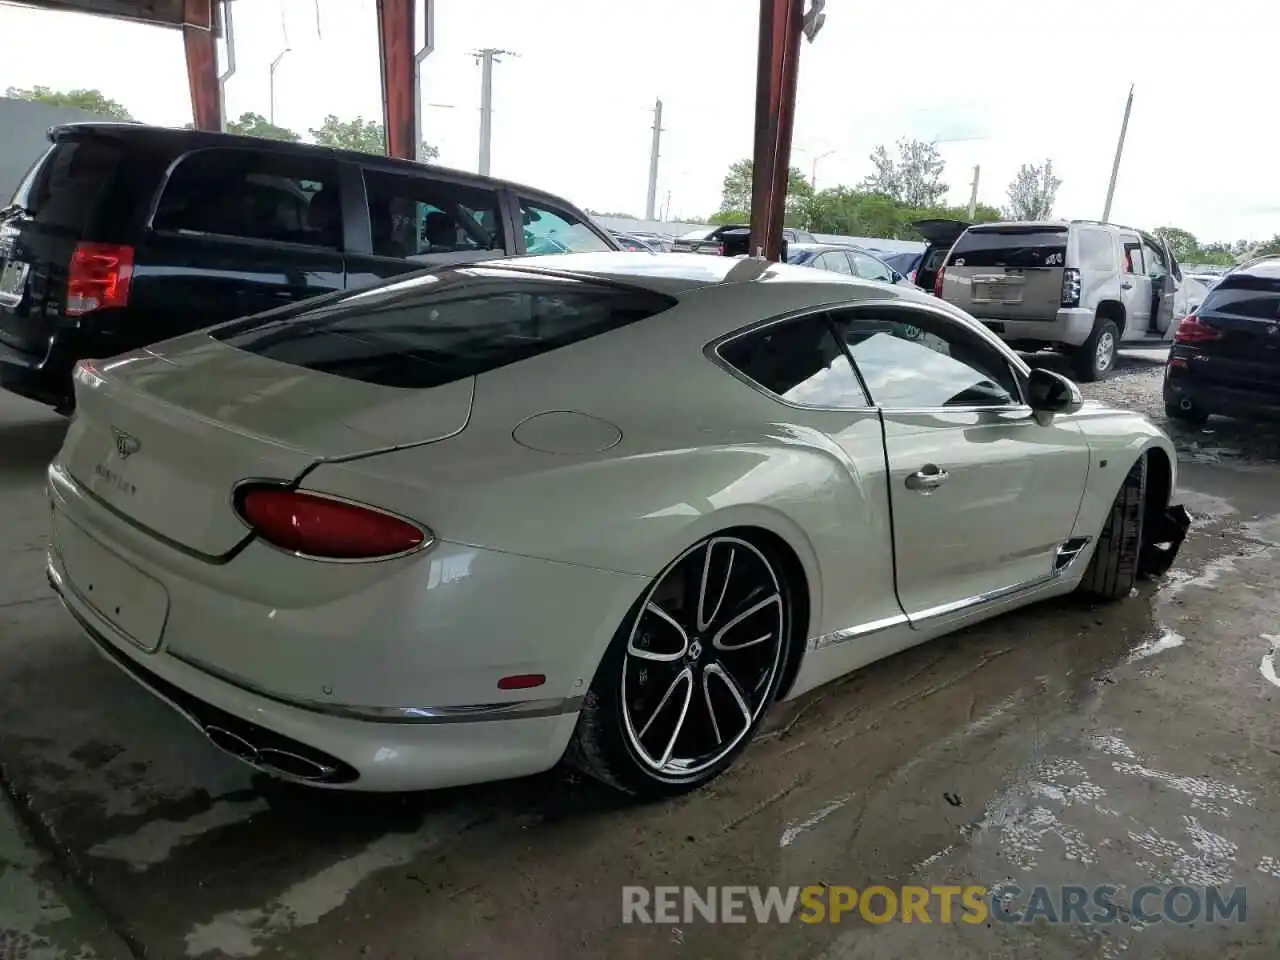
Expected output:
(1058, 745)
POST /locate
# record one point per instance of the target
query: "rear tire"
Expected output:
(1113, 570)
(685, 682)
(1096, 357)
(1197, 415)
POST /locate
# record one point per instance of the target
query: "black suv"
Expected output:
(123, 234)
(1226, 356)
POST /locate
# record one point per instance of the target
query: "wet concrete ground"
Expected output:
(1060, 745)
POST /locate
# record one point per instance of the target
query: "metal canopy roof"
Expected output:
(166, 13)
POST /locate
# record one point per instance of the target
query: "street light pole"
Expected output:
(1115, 164)
(487, 58)
(813, 173)
(652, 199)
(271, 110)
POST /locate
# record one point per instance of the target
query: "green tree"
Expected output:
(359, 134)
(256, 125)
(735, 194)
(91, 100)
(1272, 246)
(1182, 244)
(913, 177)
(1032, 192)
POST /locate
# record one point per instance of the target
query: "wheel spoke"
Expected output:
(705, 621)
(718, 640)
(740, 698)
(685, 675)
(638, 653)
(711, 710)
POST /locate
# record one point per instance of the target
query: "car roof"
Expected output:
(175, 140)
(1268, 266)
(675, 274)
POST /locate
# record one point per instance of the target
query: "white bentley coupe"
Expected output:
(601, 507)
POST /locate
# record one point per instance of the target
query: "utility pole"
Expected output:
(1115, 166)
(424, 51)
(652, 200)
(813, 170)
(973, 194)
(487, 58)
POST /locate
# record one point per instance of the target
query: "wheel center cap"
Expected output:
(695, 650)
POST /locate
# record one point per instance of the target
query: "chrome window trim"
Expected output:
(1017, 366)
(1021, 370)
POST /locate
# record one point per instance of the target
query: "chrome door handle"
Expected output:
(1126, 285)
(927, 479)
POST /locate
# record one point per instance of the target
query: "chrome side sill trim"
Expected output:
(1001, 593)
(861, 630)
(461, 713)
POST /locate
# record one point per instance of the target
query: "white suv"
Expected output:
(1081, 287)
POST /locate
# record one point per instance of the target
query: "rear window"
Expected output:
(254, 195)
(1012, 248)
(79, 184)
(1245, 295)
(436, 328)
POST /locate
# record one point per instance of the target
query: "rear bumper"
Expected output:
(1259, 402)
(363, 755)
(41, 378)
(1071, 326)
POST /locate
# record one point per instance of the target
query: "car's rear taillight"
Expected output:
(325, 528)
(1192, 330)
(720, 250)
(98, 276)
(1070, 287)
(937, 282)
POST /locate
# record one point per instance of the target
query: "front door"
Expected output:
(1164, 274)
(983, 494)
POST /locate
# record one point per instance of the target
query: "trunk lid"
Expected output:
(1010, 272)
(163, 435)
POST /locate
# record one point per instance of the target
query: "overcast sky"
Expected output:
(996, 82)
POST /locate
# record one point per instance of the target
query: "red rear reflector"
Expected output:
(1192, 330)
(318, 526)
(522, 681)
(98, 276)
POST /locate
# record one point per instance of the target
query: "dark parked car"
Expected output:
(1226, 356)
(851, 261)
(905, 263)
(123, 234)
(727, 240)
(631, 242)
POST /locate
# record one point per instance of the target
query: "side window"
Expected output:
(835, 262)
(554, 231)
(917, 359)
(1156, 266)
(869, 268)
(799, 361)
(254, 195)
(1133, 258)
(414, 216)
(1097, 250)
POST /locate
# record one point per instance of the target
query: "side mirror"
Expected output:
(1051, 392)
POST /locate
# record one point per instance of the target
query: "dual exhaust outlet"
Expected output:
(283, 763)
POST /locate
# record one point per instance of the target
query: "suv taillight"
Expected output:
(324, 528)
(1070, 287)
(99, 276)
(937, 282)
(1193, 330)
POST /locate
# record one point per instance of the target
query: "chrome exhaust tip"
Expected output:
(1184, 404)
(292, 766)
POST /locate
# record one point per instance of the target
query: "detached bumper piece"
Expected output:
(1162, 537)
